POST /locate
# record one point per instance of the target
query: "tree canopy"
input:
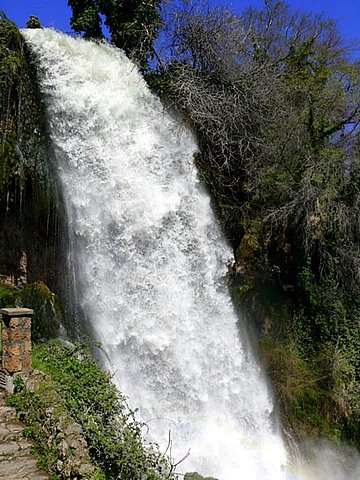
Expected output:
(133, 24)
(274, 100)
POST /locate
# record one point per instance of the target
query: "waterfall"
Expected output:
(149, 262)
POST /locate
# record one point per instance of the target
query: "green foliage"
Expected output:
(20, 155)
(294, 381)
(8, 296)
(196, 476)
(318, 395)
(28, 219)
(31, 409)
(114, 437)
(47, 311)
(33, 22)
(86, 18)
(10, 79)
(47, 419)
(133, 24)
(276, 114)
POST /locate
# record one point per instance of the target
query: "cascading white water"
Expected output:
(149, 262)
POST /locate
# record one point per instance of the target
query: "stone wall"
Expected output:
(16, 340)
(57, 431)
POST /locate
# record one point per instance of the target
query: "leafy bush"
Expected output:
(114, 436)
(8, 296)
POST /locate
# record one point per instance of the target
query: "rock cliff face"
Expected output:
(29, 200)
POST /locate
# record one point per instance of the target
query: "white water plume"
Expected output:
(149, 261)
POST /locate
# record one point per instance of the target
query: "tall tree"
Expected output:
(133, 24)
(86, 18)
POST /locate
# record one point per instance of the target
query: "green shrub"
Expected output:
(8, 296)
(47, 311)
(113, 435)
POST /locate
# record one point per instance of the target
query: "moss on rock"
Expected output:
(29, 202)
(47, 310)
(196, 476)
(46, 306)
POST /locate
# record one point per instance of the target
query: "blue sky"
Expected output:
(56, 13)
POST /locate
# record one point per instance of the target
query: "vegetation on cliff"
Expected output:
(115, 439)
(28, 198)
(274, 102)
(36, 295)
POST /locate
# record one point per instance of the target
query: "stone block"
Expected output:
(5, 333)
(26, 323)
(16, 339)
(14, 322)
(18, 334)
(11, 364)
(12, 349)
